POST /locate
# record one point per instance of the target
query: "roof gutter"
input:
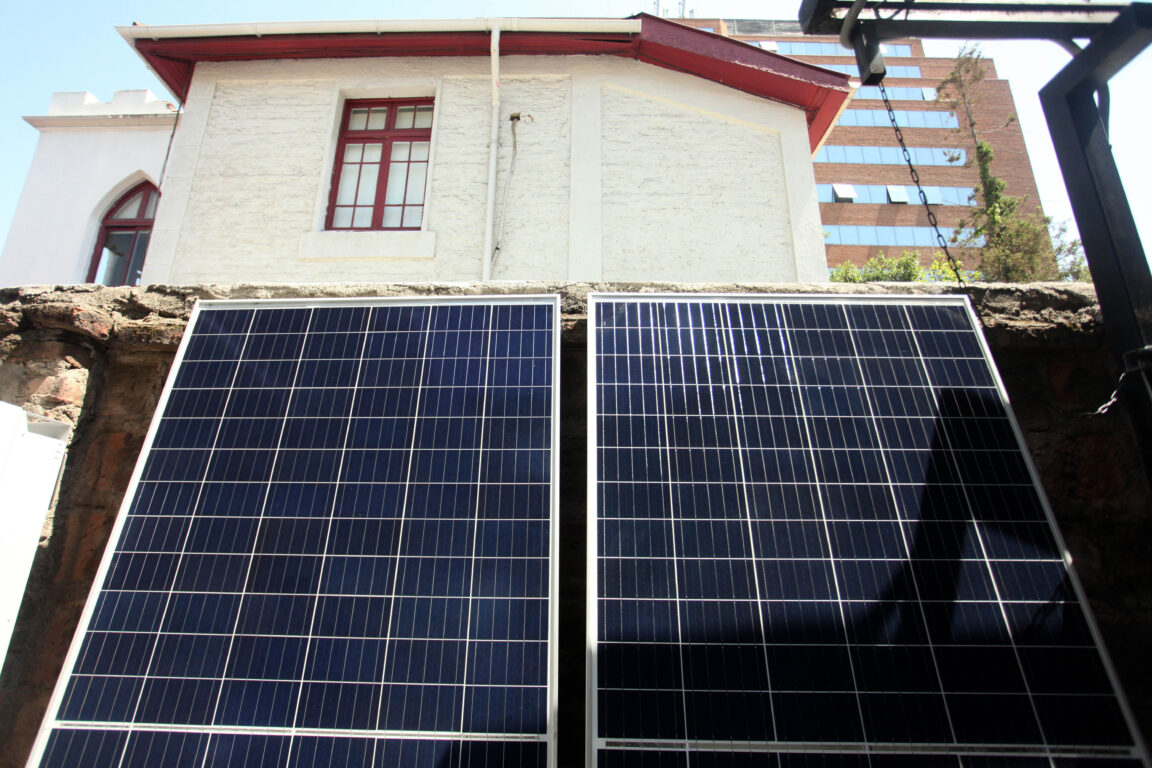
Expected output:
(380, 27)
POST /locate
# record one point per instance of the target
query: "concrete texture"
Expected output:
(98, 358)
(247, 182)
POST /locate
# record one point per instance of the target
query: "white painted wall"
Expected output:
(31, 454)
(626, 171)
(89, 153)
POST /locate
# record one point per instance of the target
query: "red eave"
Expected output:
(174, 58)
(820, 93)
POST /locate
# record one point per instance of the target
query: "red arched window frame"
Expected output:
(124, 234)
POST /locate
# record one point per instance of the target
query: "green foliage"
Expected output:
(1069, 254)
(845, 273)
(940, 271)
(904, 268)
(899, 269)
(1014, 246)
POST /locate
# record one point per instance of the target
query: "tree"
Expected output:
(904, 268)
(1069, 254)
(1014, 246)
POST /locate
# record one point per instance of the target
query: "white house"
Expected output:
(92, 161)
(547, 149)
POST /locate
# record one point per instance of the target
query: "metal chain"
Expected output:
(916, 180)
(1130, 367)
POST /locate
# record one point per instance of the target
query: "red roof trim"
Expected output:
(818, 92)
(173, 59)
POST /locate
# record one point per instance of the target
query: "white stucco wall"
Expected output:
(88, 155)
(624, 171)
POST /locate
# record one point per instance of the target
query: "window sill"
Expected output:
(344, 245)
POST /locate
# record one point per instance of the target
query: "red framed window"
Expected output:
(381, 165)
(124, 235)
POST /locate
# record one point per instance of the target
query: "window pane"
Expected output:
(363, 218)
(404, 116)
(150, 211)
(136, 266)
(412, 215)
(392, 216)
(349, 174)
(342, 218)
(353, 153)
(397, 177)
(129, 209)
(114, 257)
(368, 176)
(423, 117)
(416, 175)
(400, 150)
(420, 150)
(358, 120)
(843, 193)
(372, 152)
(378, 118)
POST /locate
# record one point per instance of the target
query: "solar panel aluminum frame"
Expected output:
(50, 720)
(593, 742)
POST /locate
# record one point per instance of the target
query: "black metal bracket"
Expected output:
(967, 19)
(1108, 231)
(869, 59)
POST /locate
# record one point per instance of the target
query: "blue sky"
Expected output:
(74, 47)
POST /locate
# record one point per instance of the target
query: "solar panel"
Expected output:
(337, 548)
(819, 542)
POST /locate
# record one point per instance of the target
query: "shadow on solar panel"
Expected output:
(819, 543)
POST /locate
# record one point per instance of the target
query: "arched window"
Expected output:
(123, 240)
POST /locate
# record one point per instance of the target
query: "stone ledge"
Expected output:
(1028, 314)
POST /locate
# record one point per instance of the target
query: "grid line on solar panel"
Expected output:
(923, 602)
(416, 606)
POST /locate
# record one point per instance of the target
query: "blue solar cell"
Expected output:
(344, 522)
(814, 523)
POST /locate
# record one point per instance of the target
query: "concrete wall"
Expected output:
(622, 167)
(98, 358)
(89, 154)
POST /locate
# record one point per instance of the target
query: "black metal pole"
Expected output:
(1112, 244)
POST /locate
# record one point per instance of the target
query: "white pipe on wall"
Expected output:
(493, 146)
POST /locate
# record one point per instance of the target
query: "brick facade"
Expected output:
(993, 110)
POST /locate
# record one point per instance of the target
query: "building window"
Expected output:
(893, 71)
(890, 155)
(381, 165)
(843, 193)
(878, 118)
(841, 234)
(895, 93)
(807, 48)
(882, 194)
(124, 235)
